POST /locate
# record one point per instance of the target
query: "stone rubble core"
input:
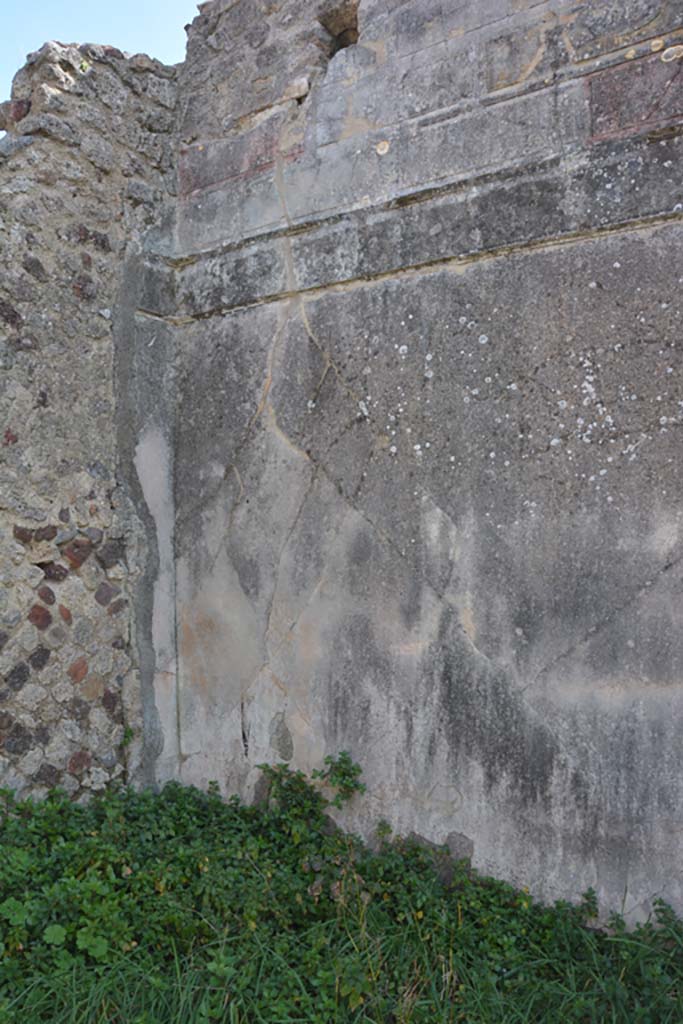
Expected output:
(341, 409)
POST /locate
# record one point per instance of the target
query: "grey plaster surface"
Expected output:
(433, 370)
(397, 408)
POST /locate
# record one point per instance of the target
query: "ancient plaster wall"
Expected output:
(82, 179)
(427, 458)
(388, 411)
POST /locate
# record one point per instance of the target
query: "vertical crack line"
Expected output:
(232, 468)
(175, 364)
(202, 502)
(265, 405)
(279, 180)
(244, 730)
(323, 351)
(320, 383)
(284, 317)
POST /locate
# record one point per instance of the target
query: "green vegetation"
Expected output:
(178, 908)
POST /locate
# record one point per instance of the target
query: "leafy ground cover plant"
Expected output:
(180, 908)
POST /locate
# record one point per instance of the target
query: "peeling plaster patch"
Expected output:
(154, 470)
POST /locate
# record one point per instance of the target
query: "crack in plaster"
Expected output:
(182, 518)
(595, 630)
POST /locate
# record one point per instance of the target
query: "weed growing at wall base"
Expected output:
(179, 908)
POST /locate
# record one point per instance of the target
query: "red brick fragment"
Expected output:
(84, 287)
(18, 109)
(46, 594)
(78, 670)
(54, 571)
(77, 551)
(65, 614)
(79, 762)
(39, 616)
(45, 533)
(9, 438)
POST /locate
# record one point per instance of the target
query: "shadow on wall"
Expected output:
(342, 25)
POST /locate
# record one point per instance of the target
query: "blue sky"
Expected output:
(155, 27)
